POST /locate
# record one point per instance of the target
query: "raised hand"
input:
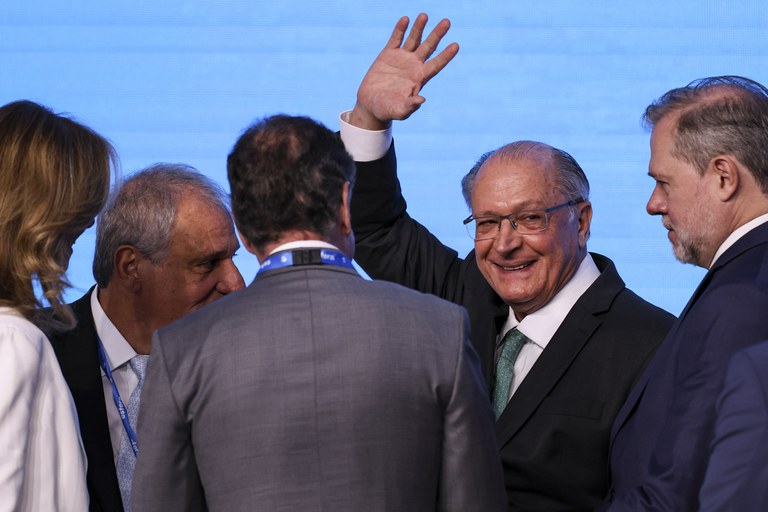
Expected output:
(390, 89)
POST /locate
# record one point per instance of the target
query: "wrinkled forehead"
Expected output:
(198, 218)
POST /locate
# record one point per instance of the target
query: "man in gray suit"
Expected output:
(313, 389)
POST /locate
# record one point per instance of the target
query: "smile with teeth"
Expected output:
(517, 267)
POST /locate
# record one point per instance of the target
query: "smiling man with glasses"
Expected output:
(560, 338)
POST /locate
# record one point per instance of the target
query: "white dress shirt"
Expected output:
(119, 352)
(542, 324)
(304, 244)
(364, 145)
(42, 461)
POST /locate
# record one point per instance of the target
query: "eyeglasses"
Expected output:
(525, 222)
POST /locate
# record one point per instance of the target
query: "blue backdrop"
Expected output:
(178, 80)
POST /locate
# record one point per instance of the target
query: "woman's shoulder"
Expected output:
(19, 334)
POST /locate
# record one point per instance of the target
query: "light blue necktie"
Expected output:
(126, 460)
(505, 369)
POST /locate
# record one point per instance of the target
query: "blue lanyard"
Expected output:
(118, 401)
(305, 257)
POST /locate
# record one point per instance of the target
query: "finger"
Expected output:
(436, 64)
(416, 102)
(430, 44)
(414, 38)
(396, 39)
(409, 108)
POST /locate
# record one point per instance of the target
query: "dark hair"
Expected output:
(718, 115)
(142, 213)
(570, 179)
(287, 173)
(54, 178)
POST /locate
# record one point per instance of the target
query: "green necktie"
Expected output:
(505, 369)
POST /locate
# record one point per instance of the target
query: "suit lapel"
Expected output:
(487, 351)
(570, 338)
(662, 354)
(554, 361)
(757, 236)
(77, 352)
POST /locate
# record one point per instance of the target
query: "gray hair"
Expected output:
(718, 115)
(570, 180)
(142, 213)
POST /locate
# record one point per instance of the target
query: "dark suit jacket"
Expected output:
(737, 473)
(660, 441)
(314, 389)
(77, 352)
(554, 434)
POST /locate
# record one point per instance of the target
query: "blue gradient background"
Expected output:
(177, 81)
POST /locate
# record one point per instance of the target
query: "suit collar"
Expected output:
(541, 325)
(752, 238)
(116, 347)
(303, 268)
(756, 237)
(575, 331)
(738, 234)
(76, 349)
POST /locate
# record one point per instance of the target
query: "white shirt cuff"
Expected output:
(364, 145)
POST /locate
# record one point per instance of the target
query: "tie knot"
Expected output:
(514, 338)
(139, 366)
(512, 343)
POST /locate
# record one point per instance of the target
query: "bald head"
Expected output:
(569, 178)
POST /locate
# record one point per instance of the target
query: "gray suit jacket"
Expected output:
(314, 389)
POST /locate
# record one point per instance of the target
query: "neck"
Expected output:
(124, 313)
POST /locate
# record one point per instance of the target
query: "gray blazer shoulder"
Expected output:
(314, 389)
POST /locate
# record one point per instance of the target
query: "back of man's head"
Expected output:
(717, 116)
(287, 174)
(142, 213)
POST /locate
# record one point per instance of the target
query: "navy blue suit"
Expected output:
(737, 475)
(661, 438)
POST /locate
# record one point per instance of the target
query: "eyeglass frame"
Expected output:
(546, 214)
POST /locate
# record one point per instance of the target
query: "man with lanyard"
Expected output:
(164, 247)
(313, 388)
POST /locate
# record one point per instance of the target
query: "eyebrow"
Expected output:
(217, 255)
(526, 208)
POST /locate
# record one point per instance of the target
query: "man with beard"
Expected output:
(709, 159)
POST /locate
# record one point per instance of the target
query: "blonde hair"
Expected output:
(54, 179)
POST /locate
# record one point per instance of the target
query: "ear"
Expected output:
(584, 213)
(726, 172)
(345, 213)
(125, 268)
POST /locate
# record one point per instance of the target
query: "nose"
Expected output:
(231, 279)
(656, 203)
(508, 238)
